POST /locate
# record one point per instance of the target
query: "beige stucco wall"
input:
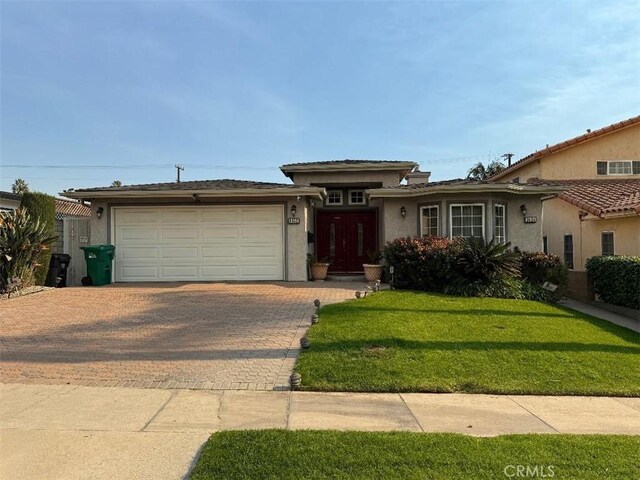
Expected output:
(579, 162)
(562, 219)
(295, 235)
(526, 236)
(386, 178)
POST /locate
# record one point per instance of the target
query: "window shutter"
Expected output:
(601, 168)
(636, 167)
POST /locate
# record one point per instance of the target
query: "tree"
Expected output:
(116, 183)
(480, 172)
(19, 186)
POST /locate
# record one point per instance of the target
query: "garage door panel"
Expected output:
(180, 272)
(139, 272)
(220, 252)
(199, 243)
(137, 216)
(219, 272)
(137, 233)
(220, 215)
(180, 216)
(179, 252)
(137, 253)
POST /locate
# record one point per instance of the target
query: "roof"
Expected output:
(548, 150)
(460, 185)
(601, 198)
(10, 196)
(204, 188)
(348, 165)
(67, 208)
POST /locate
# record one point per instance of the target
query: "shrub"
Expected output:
(537, 268)
(479, 261)
(42, 208)
(22, 241)
(421, 263)
(616, 279)
(500, 287)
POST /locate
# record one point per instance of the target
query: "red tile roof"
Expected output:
(548, 150)
(66, 208)
(601, 197)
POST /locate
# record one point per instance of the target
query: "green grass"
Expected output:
(400, 341)
(280, 454)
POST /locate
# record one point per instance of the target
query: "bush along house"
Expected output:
(341, 211)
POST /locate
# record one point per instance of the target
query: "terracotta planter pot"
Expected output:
(372, 273)
(319, 271)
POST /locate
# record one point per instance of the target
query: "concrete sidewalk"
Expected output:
(601, 313)
(53, 431)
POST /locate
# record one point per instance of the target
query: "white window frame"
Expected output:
(484, 216)
(609, 162)
(613, 236)
(422, 208)
(364, 200)
(329, 192)
(504, 221)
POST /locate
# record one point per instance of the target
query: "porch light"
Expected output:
(99, 212)
(294, 209)
(523, 209)
(403, 212)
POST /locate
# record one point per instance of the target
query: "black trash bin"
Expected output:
(57, 275)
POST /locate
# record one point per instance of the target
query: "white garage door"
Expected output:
(198, 243)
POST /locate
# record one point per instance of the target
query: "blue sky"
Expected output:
(97, 91)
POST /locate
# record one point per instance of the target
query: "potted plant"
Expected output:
(318, 269)
(373, 269)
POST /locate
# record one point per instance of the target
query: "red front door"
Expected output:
(345, 238)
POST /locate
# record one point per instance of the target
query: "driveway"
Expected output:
(177, 335)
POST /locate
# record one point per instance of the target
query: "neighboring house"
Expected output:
(9, 201)
(244, 230)
(599, 213)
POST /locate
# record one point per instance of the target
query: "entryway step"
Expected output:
(345, 278)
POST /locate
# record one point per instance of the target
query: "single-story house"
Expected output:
(244, 230)
(9, 200)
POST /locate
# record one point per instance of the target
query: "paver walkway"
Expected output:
(68, 432)
(167, 335)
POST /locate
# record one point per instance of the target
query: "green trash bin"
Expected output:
(99, 259)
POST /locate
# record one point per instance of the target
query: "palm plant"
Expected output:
(22, 240)
(485, 261)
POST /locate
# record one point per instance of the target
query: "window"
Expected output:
(334, 197)
(499, 228)
(545, 244)
(356, 197)
(430, 221)
(618, 167)
(607, 243)
(568, 251)
(467, 220)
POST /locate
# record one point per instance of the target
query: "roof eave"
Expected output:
(487, 188)
(313, 192)
(400, 167)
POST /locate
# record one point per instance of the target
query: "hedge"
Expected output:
(616, 279)
(43, 208)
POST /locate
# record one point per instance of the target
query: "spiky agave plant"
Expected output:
(22, 240)
(485, 261)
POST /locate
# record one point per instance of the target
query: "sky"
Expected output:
(93, 92)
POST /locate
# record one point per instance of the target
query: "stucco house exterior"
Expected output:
(9, 201)
(599, 213)
(218, 230)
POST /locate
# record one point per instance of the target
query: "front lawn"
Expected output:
(401, 341)
(281, 454)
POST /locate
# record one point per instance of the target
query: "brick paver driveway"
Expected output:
(178, 335)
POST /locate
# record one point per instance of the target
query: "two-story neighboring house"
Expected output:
(599, 213)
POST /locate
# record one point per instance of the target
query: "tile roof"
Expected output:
(224, 184)
(67, 208)
(548, 150)
(348, 162)
(600, 197)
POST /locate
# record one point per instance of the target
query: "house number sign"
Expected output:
(530, 219)
(293, 221)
